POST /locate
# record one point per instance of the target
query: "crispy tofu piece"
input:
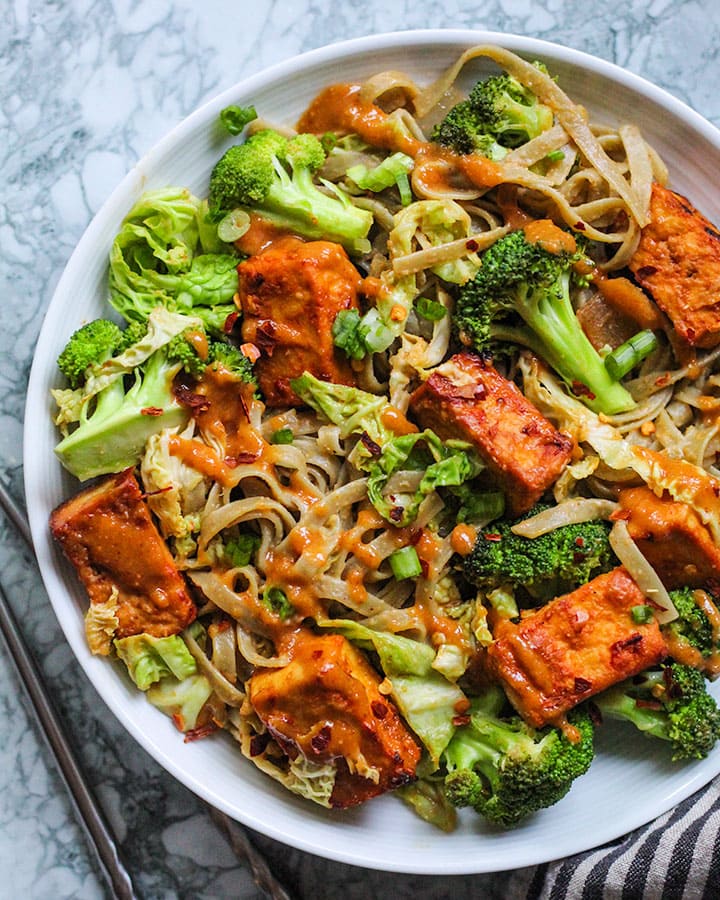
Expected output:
(289, 295)
(467, 398)
(671, 536)
(574, 647)
(326, 704)
(678, 262)
(107, 533)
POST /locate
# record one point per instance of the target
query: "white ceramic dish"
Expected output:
(631, 780)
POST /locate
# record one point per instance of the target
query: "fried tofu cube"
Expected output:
(671, 536)
(575, 646)
(108, 534)
(326, 705)
(468, 399)
(290, 294)
(678, 262)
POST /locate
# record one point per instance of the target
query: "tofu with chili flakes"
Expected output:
(575, 646)
(467, 398)
(107, 533)
(678, 263)
(289, 295)
(671, 536)
(326, 705)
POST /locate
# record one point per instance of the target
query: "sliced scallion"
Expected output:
(405, 563)
(630, 354)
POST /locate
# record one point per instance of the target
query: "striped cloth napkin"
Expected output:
(676, 857)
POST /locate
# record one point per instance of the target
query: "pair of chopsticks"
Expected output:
(85, 804)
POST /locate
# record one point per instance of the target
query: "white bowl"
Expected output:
(631, 781)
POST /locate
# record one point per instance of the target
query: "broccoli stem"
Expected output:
(554, 333)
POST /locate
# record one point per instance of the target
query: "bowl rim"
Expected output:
(37, 400)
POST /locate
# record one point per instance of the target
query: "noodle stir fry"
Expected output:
(402, 469)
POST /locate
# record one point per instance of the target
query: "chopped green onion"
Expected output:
(641, 614)
(555, 156)
(283, 436)
(405, 563)
(240, 550)
(628, 355)
(233, 225)
(432, 310)
(235, 118)
(347, 335)
(276, 600)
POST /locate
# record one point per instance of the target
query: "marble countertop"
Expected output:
(86, 88)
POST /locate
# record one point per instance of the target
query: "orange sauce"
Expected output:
(340, 108)
(396, 421)
(551, 238)
(627, 298)
(201, 458)
(260, 235)
(373, 288)
(462, 539)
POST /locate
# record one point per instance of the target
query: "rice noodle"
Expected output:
(571, 512)
(642, 573)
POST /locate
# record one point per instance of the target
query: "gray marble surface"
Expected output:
(87, 87)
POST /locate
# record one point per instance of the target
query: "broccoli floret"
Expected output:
(133, 399)
(233, 360)
(692, 625)
(670, 702)
(500, 113)
(506, 770)
(90, 345)
(273, 176)
(521, 295)
(546, 566)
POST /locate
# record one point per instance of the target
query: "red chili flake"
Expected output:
(579, 557)
(243, 403)
(424, 567)
(379, 709)
(582, 685)
(396, 514)
(151, 411)
(230, 321)
(632, 643)
(320, 741)
(460, 720)
(495, 538)
(579, 226)
(316, 654)
(582, 390)
(579, 541)
(646, 271)
(662, 380)
(185, 395)
(369, 444)
(648, 704)
(203, 731)
(265, 336)
(690, 334)
(258, 743)
(245, 457)
(415, 535)
(471, 245)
